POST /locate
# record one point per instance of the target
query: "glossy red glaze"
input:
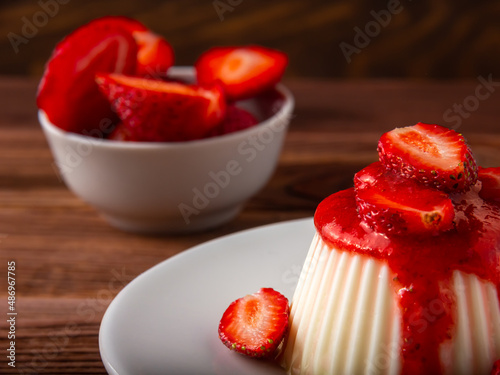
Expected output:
(422, 266)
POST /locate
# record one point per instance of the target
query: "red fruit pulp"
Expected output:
(68, 93)
(154, 54)
(160, 111)
(243, 71)
(422, 266)
(235, 119)
(394, 204)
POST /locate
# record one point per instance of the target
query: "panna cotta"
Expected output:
(382, 294)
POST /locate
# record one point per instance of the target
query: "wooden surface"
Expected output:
(70, 263)
(425, 38)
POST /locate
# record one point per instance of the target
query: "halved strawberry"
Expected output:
(236, 119)
(256, 324)
(67, 92)
(490, 183)
(244, 71)
(154, 54)
(432, 154)
(390, 203)
(160, 111)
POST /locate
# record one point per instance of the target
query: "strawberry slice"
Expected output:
(392, 204)
(67, 91)
(256, 324)
(236, 119)
(154, 54)
(160, 111)
(244, 71)
(432, 154)
(490, 183)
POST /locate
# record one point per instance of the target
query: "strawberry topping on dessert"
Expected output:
(462, 233)
(422, 266)
(432, 154)
(243, 71)
(393, 204)
(256, 324)
(490, 183)
(160, 111)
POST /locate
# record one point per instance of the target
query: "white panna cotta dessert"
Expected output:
(402, 277)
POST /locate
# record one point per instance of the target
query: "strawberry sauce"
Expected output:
(422, 266)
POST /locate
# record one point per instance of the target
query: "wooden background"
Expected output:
(425, 39)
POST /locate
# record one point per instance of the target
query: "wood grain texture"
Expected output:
(403, 38)
(70, 263)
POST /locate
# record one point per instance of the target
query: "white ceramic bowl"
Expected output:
(174, 187)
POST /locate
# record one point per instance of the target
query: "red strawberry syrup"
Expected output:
(422, 266)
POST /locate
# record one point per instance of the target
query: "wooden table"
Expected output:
(70, 263)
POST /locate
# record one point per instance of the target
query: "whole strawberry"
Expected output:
(432, 154)
(256, 324)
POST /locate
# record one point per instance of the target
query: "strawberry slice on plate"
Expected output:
(432, 154)
(67, 91)
(392, 204)
(256, 324)
(236, 119)
(161, 111)
(243, 71)
(490, 183)
(154, 54)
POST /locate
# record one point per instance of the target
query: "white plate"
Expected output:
(165, 321)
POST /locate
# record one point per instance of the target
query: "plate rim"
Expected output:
(175, 258)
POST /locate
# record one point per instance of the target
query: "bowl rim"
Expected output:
(177, 71)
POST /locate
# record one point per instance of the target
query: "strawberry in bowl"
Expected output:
(171, 110)
(114, 71)
(145, 142)
(67, 91)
